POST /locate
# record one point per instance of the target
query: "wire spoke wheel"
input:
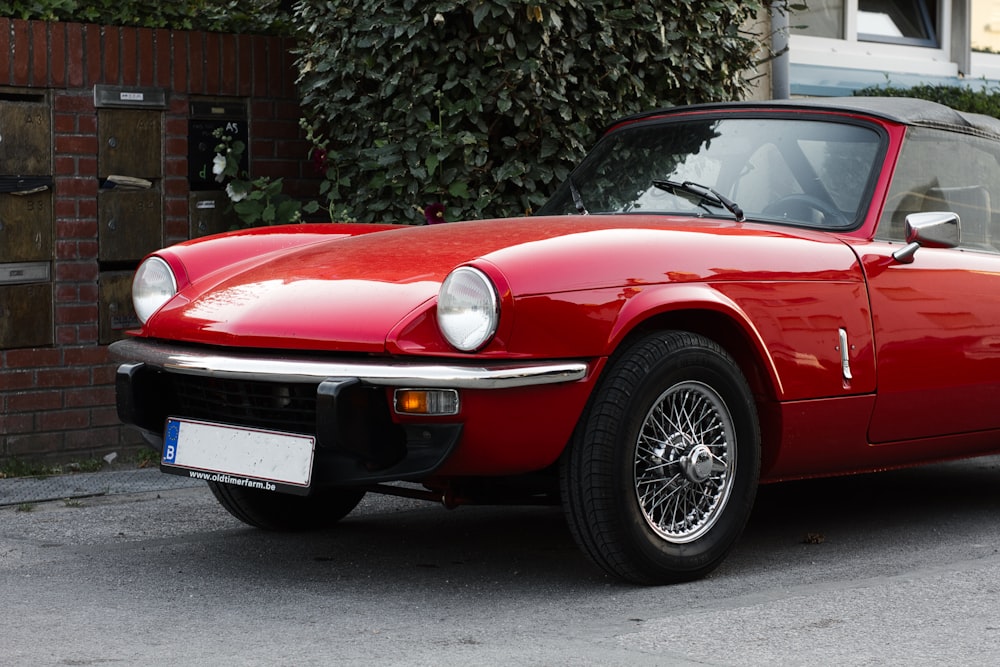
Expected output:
(661, 475)
(684, 463)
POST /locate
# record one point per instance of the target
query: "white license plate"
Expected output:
(237, 455)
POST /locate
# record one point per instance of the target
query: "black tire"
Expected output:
(283, 512)
(629, 457)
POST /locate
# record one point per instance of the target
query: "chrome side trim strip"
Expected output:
(249, 366)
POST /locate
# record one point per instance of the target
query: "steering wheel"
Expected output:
(801, 208)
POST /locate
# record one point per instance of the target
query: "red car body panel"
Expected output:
(924, 368)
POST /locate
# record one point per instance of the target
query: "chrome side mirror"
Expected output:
(934, 229)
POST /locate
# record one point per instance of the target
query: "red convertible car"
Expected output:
(719, 296)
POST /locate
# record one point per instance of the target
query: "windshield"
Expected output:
(807, 172)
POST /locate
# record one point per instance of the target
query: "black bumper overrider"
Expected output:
(342, 403)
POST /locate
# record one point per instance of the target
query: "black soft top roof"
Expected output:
(905, 110)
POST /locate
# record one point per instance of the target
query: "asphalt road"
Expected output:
(901, 568)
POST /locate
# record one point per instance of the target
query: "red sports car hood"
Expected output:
(348, 293)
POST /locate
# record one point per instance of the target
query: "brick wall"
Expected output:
(57, 396)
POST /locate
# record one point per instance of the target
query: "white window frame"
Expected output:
(849, 53)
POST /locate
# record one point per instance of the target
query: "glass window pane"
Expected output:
(898, 21)
(822, 18)
(946, 171)
(986, 26)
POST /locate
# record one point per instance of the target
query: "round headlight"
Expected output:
(468, 309)
(153, 285)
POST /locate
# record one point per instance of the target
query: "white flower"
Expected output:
(235, 195)
(219, 166)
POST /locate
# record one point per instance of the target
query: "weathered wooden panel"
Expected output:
(26, 315)
(116, 313)
(130, 224)
(130, 143)
(26, 226)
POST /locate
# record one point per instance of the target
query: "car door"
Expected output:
(937, 319)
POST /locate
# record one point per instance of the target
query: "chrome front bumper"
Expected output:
(192, 360)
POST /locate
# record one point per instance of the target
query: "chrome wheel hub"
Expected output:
(685, 462)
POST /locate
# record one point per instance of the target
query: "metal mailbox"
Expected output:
(130, 143)
(130, 224)
(207, 118)
(26, 315)
(25, 133)
(210, 213)
(116, 313)
(26, 224)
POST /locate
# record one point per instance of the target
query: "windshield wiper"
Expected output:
(703, 193)
(577, 199)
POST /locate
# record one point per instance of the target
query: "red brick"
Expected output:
(64, 420)
(259, 50)
(93, 441)
(34, 444)
(107, 416)
(163, 59)
(213, 57)
(20, 54)
(76, 314)
(39, 53)
(87, 122)
(63, 377)
(92, 39)
(5, 29)
(33, 401)
(229, 84)
(112, 70)
(129, 57)
(105, 375)
(75, 356)
(57, 55)
(32, 358)
(64, 123)
(76, 187)
(76, 144)
(90, 397)
(146, 68)
(244, 45)
(176, 126)
(180, 63)
(74, 102)
(76, 62)
(75, 229)
(196, 64)
(89, 293)
(12, 424)
(87, 333)
(76, 271)
(87, 166)
(16, 380)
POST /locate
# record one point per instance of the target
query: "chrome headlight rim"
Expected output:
(468, 309)
(153, 285)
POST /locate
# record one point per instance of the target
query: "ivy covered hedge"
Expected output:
(985, 101)
(255, 16)
(485, 106)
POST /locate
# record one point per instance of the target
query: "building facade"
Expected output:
(839, 46)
